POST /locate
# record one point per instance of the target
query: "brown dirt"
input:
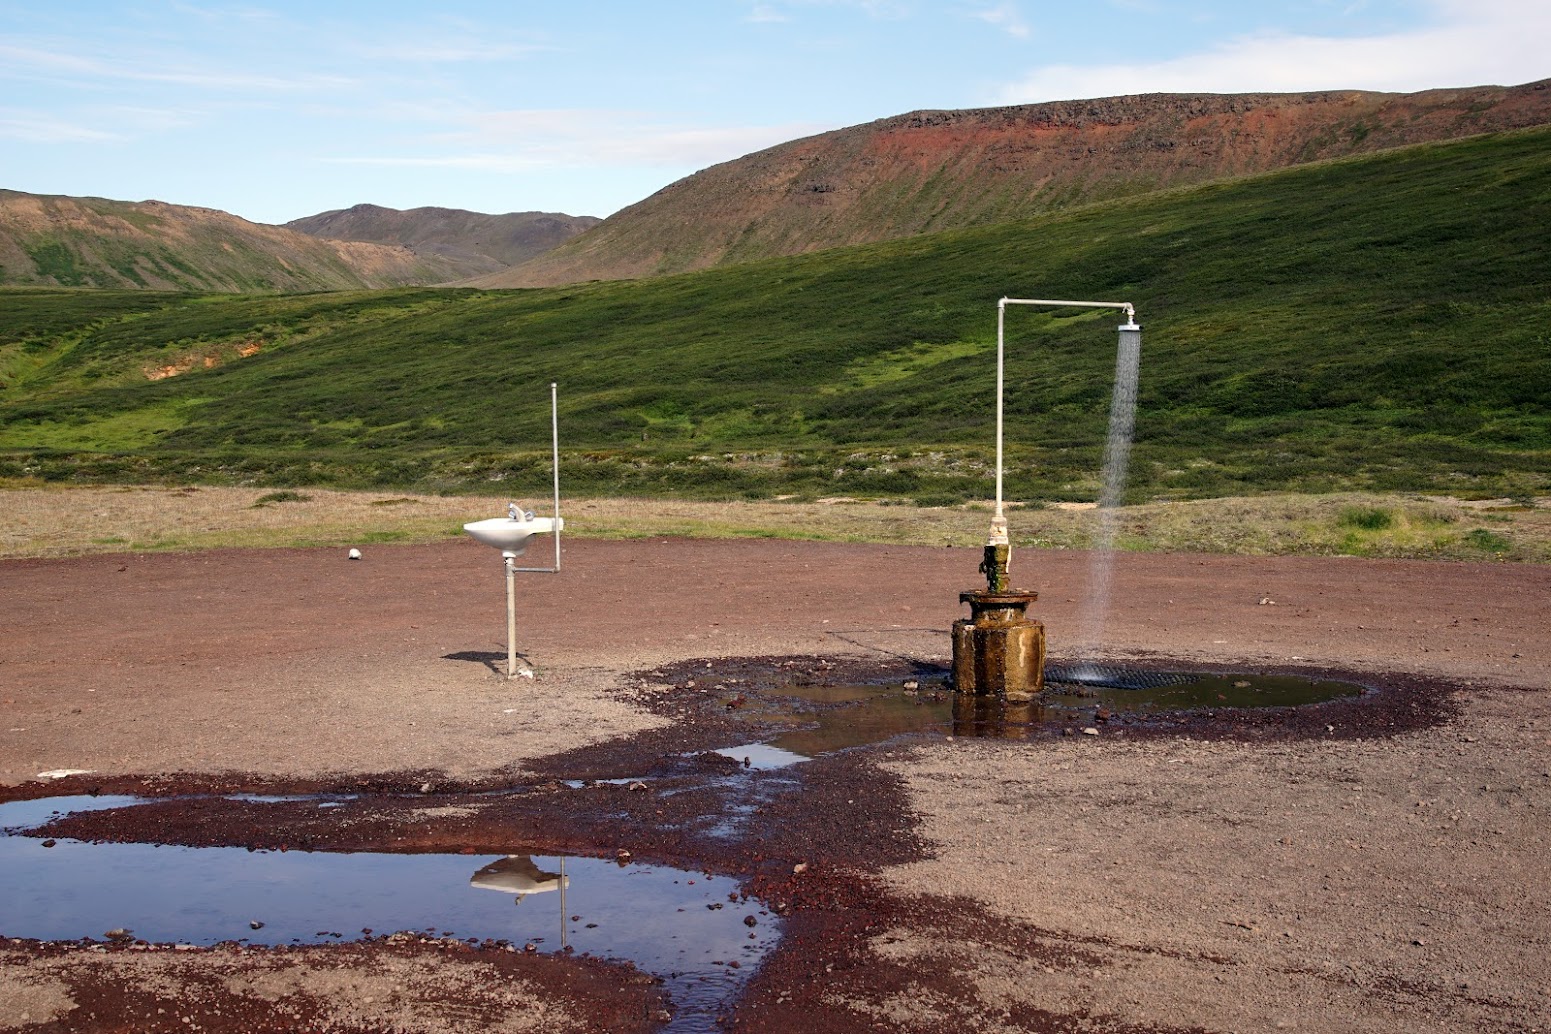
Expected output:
(1368, 867)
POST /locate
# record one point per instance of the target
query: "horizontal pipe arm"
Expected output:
(1127, 306)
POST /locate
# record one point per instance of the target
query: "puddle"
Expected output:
(685, 927)
(1152, 693)
(830, 718)
(762, 756)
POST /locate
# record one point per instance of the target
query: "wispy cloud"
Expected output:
(448, 51)
(559, 138)
(764, 13)
(1006, 17)
(883, 10)
(49, 129)
(55, 62)
(1470, 43)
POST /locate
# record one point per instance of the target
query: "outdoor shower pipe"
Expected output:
(998, 520)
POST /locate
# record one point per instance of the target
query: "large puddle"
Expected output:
(829, 718)
(697, 932)
(691, 929)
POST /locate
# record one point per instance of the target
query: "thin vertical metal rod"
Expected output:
(554, 437)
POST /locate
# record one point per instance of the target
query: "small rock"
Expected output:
(254, 924)
(1090, 731)
(912, 684)
(425, 787)
(800, 868)
(750, 921)
(354, 554)
(638, 786)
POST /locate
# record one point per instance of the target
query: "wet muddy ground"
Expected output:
(1353, 864)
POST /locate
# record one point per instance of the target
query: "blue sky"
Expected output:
(276, 110)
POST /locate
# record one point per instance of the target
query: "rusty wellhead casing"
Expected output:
(998, 650)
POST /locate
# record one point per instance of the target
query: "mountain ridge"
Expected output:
(931, 170)
(471, 239)
(53, 240)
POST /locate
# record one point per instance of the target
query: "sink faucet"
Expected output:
(517, 513)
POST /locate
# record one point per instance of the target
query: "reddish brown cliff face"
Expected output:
(938, 170)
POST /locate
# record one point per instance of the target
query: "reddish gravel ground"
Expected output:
(1375, 865)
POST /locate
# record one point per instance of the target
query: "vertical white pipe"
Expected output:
(998, 521)
(554, 437)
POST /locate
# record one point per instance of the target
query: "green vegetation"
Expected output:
(43, 521)
(285, 495)
(1368, 518)
(1490, 541)
(1373, 324)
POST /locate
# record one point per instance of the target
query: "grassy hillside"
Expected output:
(54, 241)
(931, 171)
(1374, 323)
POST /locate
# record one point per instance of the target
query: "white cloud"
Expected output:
(559, 138)
(1006, 17)
(49, 130)
(451, 51)
(1484, 42)
(48, 62)
(882, 10)
(764, 13)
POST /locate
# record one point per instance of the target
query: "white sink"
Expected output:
(511, 536)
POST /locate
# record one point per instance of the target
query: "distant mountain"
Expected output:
(938, 170)
(49, 240)
(475, 242)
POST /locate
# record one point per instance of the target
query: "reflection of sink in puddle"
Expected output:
(684, 926)
(519, 875)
